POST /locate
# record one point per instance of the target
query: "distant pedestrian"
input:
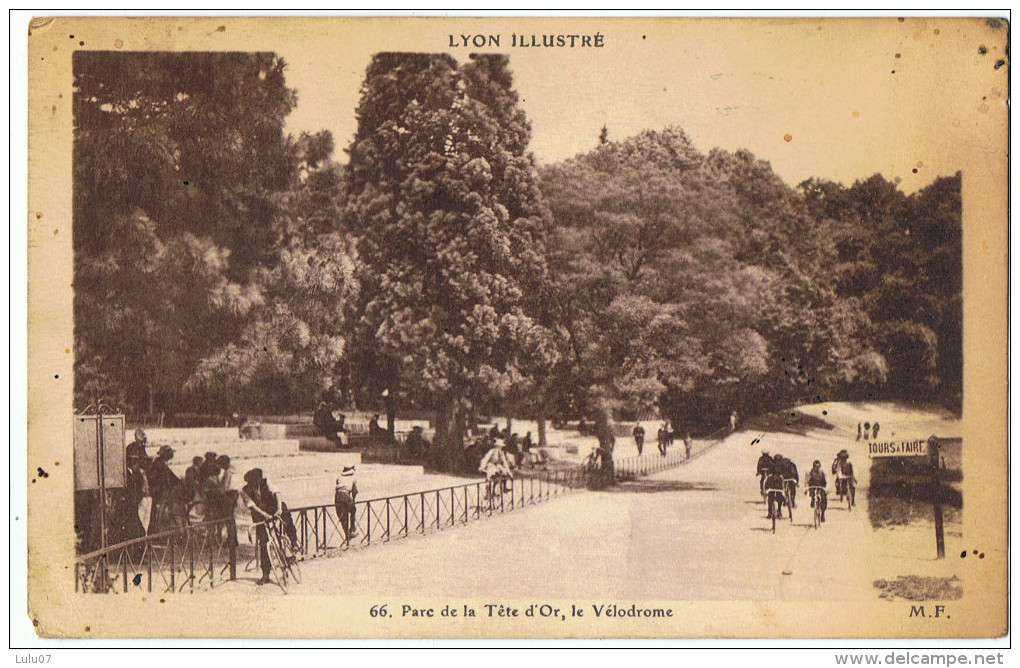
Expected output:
(733, 421)
(875, 431)
(859, 432)
(663, 438)
(687, 445)
(639, 437)
(867, 430)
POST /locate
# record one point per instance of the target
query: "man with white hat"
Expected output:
(344, 500)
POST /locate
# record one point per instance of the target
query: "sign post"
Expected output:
(936, 466)
(99, 464)
(920, 448)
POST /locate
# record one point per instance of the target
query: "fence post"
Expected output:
(387, 520)
(123, 561)
(191, 563)
(232, 545)
(212, 568)
(173, 565)
(453, 507)
(405, 516)
(368, 522)
(304, 532)
(438, 507)
(465, 504)
(423, 512)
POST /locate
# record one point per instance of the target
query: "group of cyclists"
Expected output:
(779, 479)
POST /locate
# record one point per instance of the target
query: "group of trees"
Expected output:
(222, 265)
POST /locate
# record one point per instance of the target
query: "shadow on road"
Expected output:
(654, 486)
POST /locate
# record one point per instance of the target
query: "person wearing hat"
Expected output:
(844, 472)
(263, 504)
(210, 469)
(138, 496)
(763, 468)
(816, 478)
(496, 467)
(136, 448)
(164, 484)
(773, 488)
(344, 499)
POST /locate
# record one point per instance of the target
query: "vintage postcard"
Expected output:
(517, 327)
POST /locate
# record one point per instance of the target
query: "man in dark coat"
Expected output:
(136, 448)
(262, 503)
(639, 437)
(763, 468)
(792, 477)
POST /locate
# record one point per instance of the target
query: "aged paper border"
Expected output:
(61, 614)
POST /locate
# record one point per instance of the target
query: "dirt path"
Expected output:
(698, 532)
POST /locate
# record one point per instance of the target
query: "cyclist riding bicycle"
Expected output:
(788, 470)
(497, 469)
(844, 471)
(764, 464)
(816, 482)
(773, 490)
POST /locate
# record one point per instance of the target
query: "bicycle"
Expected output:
(282, 555)
(775, 499)
(816, 493)
(789, 489)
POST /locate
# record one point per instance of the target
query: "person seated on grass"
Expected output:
(324, 421)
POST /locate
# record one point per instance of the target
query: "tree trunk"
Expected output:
(541, 430)
(391, 416)
(447, 446)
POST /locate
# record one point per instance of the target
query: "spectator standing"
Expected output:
(639, 437)
(344, 499)
(192, 478)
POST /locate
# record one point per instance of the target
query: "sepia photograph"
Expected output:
(517, 327)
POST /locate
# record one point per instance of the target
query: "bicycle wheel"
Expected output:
(789, 507)
(818, 510)
(849, 499)
(278, 565)
(291, 562)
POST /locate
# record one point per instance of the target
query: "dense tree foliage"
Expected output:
(450, 220)
(222, 265)
(705, 284)
(186, 196)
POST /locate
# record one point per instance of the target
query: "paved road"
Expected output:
(698, 532)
